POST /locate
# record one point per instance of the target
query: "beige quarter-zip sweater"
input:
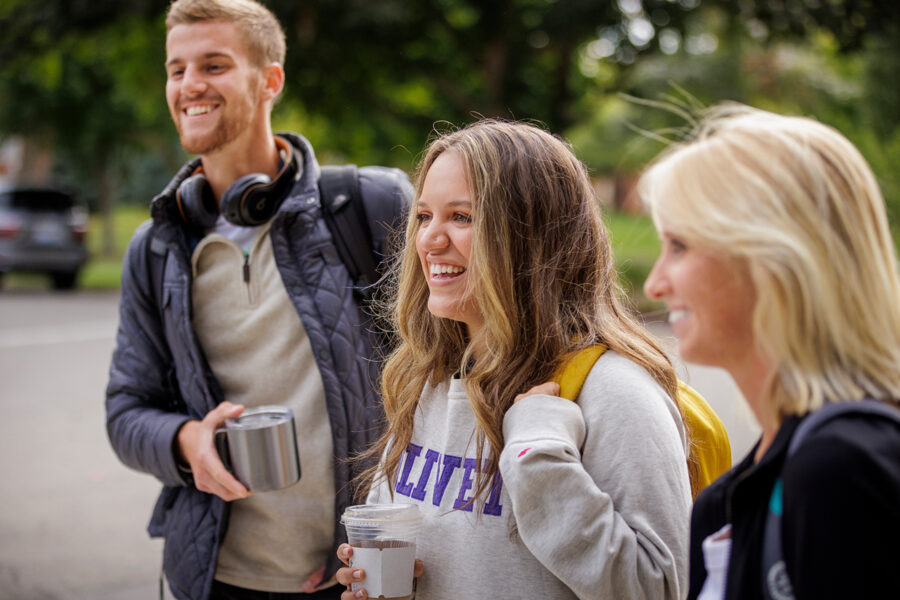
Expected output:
(260, 353)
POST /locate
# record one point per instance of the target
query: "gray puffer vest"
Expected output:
(160, 378)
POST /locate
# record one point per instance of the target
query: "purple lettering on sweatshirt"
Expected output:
(403, 485)
(466, 485)
(493, 506)
(431, 457)
(451, 463)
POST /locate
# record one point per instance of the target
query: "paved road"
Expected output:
(73, 519)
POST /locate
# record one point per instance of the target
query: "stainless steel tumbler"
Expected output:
(260, 448)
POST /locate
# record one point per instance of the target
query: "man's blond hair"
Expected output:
(259, 29)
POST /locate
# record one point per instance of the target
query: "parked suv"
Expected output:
(42, 229)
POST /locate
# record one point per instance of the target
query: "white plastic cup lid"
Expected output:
(376, 516)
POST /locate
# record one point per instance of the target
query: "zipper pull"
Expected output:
(246, 267)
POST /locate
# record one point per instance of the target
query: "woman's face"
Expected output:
(444, 241)
(710, 298)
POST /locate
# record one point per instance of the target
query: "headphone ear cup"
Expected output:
(248, 200)
(197, 202)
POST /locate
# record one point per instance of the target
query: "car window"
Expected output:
(38, 200)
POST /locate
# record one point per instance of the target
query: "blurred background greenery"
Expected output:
(82, 81)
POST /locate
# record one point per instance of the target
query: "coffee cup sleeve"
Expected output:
(389, 571)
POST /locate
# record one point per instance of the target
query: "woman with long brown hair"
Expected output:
(506, 272)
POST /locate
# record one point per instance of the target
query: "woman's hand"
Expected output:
(349, 575)
(550, 388)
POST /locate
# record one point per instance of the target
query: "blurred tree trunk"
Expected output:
(106, 203)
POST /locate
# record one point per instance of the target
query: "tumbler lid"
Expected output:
(260, 416)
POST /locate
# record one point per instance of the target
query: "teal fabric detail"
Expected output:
(775, 504)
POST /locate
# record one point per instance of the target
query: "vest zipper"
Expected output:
(246, 270)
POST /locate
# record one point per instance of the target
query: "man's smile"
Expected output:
(200, 109)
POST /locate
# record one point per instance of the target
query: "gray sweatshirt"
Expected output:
(593, 502)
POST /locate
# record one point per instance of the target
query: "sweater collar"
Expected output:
(769, 466)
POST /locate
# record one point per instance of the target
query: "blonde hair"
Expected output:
(260, 30)
(797, 202)
(544, 280)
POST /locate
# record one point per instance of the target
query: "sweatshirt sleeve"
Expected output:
(599, 489)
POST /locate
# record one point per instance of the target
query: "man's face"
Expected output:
(213, 90)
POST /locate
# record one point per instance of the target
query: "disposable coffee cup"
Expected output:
(383, 537)
(260, 448)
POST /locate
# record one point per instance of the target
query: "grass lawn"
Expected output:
(635, 246)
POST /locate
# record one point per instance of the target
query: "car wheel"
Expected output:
(64, 280)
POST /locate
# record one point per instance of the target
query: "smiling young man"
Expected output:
(233, 296)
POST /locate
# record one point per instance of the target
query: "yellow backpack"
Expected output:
(710, 448)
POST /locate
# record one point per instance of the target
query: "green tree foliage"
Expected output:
(372, 76)
(388, 70)
(851, 22)
(835, 61)
(866, 29)
(367, 80)
(84, 86)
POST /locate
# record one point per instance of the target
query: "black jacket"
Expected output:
(159, 376)
(841, 517)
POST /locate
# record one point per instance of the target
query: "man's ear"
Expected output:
(273, 80)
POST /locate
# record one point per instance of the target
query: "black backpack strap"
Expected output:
(345, 215)
(158, 253)
(836, 409)
(776, 583)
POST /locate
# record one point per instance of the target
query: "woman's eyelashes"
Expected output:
(675, 245)
(456, 217)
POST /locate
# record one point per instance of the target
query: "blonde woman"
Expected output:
(508, 270)
(778, 266)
